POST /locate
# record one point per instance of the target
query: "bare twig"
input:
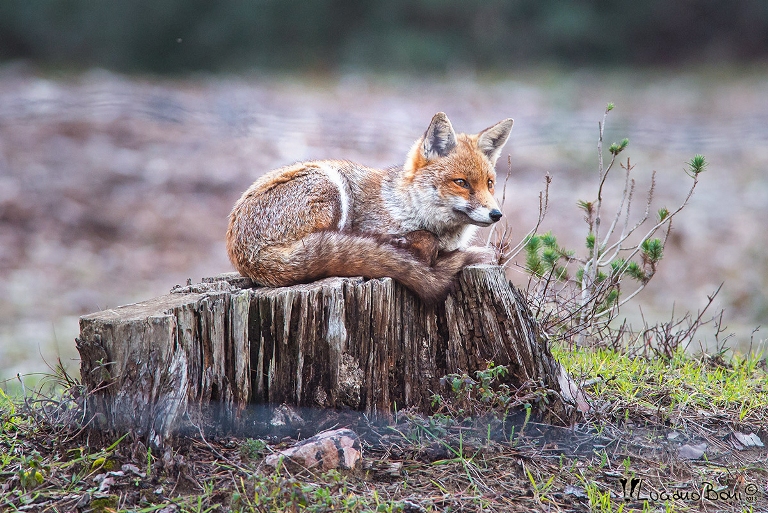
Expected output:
(510, 254)
(626, 194)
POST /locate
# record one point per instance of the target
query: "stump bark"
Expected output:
(212, 352)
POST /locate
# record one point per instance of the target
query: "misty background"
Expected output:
(129, 129)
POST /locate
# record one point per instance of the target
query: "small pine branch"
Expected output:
(533, 261)
(550, 256)
(617, 148)
(590, 242)
(635, 271)
(696, 165)
(611, 299)
(653, 249)
(586, 206)
(617, 266)
(561, 273)
(586, 301)
(549, 240)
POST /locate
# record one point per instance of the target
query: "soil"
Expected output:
(481, 465)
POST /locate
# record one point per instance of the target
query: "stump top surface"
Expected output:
(162, 305)
(159, 306)
(334, 282)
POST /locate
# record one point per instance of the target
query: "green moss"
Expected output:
(104, 504)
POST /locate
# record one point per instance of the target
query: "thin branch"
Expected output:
(623, 301)
(636, 249)
(624, 196)
(509, 173)
(624, 235)
(503, 198)
(543, 207)
(590, 269)
(617, 245)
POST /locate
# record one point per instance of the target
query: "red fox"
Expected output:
(413, 223)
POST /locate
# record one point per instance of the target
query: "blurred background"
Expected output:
(129, 129)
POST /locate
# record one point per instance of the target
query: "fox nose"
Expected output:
(495, 215)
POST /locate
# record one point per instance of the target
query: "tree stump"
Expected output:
(212, 352)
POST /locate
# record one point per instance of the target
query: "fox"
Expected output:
(412, 223)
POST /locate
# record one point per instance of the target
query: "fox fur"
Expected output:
(413, 223)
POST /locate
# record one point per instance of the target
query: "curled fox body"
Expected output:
(413, 223)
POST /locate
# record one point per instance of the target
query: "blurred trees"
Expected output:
(186, 35)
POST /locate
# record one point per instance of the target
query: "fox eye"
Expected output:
(461, 183)
(490, 184)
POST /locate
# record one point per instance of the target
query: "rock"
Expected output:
(106, 484)
(576, 491)
(692, 452)
(339, 448)
(742, 441)
(384, 469)
(133, 469)
(286, 417)
(84, 501)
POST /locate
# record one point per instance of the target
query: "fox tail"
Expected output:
(323, 254)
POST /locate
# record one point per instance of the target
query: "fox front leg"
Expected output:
(420, 243)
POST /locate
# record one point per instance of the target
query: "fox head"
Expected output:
(454, 174)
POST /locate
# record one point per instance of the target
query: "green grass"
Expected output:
(676, 388)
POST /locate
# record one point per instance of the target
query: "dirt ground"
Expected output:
(115, 188)
(413, 465)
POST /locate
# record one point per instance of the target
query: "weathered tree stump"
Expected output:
(208, 352)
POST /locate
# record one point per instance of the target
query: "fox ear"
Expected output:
(439, 139)
(491, 140)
